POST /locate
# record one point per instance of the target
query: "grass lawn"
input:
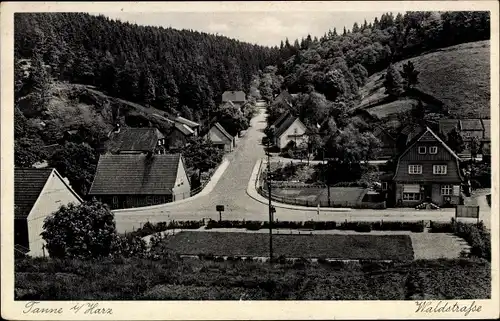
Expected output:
(375, 247)
(192, 279)
(459, 76)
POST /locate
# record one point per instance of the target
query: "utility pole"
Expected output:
(271, 209)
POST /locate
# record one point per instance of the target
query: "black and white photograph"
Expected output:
(260, 153)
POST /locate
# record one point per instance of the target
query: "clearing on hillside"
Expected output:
(459, 76)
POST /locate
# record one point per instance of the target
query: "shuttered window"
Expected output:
(415, 169)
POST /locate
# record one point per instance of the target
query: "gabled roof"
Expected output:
(28, 184)
(235, 96)
(379, 131)
(487, 128)
(135, 174)
(471, 124)
(288, 120)
(285, 97)
(278, 122)
(186, 122)
(185, 129)
(223, 131)
(447, 125)
(134, 139)
(429, 135)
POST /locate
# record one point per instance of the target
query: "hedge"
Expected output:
(417, 227)
(151, 228)
(478, 238)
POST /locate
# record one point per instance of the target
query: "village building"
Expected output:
(179, 136)
(469, 129)
(135, 141)
(427, 171)
(188, 124)
(128, 180)
(388, 147)
(284, 98)
(38, 192)
(289, 128)
(221, 138)
(238, 98)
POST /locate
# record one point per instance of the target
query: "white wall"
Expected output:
(284, 139)
(50, 200)
(181, 191)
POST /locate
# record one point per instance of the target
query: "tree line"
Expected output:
(181, 71)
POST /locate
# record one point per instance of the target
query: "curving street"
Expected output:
(231, 191)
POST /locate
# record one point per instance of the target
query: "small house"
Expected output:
(236, 97)
(189, 124)
(135, 141)
(38, 192)
(221, 138)
(388, 148)
(128, 180)
(427, 171)
(289, 128)
(284, 98)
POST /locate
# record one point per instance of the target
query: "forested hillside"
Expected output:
(339, 62)
(174, 70)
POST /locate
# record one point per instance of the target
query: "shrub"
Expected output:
(253, 225)
(436, 227)
(363, 227)
(85, 231)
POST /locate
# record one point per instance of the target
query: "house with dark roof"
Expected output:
(427, 171)
(469, 129)
(236, 97)
(388, 148)
(289, 128)
(128, 180)
(135, 141)
(284, 98)
(38, 192)
(221, 138)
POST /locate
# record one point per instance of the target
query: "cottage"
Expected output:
(125, 181)
(236, 97)
(221, 138)
(427, 171)
(289, 128)
(469, 129)
(186, 123)
(284, 98)
(135, 141)
(388, 148)
(38, 192)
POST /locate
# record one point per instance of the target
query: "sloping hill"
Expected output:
(459, 76)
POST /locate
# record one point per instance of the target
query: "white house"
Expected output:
(221, 138)
(289, 128)
(38, 192)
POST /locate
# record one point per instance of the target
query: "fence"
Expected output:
(333, 203)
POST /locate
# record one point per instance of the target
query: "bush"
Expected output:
(83, 231)
(436, 227)
(363, 227)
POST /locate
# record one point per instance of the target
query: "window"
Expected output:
(384, 186)
(422, 149)
(411, 196)
(415, 169)
(433, 150)
(439, 169)
(446, 189)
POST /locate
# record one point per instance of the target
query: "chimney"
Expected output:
(117, 128)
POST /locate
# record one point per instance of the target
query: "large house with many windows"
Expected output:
(428, 171)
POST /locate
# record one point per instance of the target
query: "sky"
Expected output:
(264, 28)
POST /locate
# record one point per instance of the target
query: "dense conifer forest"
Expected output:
(175, 70)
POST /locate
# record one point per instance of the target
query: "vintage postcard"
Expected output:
(249, 160)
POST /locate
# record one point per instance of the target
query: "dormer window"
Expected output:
(422, 149)
(433, 150)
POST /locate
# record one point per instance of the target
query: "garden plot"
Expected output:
(343, 247)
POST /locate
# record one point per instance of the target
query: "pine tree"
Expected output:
(455, 141)
(410, 75)
(393, 82)
(39, 82)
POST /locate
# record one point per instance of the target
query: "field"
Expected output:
(459, 76)
(192, 279)
(370, 247)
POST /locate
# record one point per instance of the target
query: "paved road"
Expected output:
(231, 191)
